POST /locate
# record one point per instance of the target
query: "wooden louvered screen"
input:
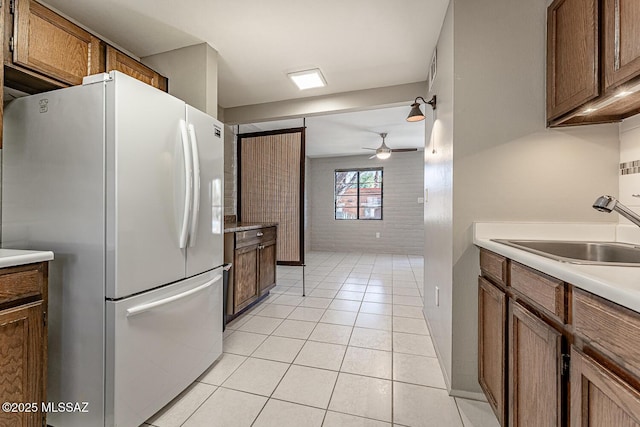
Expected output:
(271, 187)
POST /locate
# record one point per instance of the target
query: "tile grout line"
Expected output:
(317, 322)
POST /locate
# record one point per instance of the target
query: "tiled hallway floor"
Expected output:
(355, 351)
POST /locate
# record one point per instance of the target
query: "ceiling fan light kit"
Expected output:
(416, 115)
(383, 152)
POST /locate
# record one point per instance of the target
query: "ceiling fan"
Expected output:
(384, 152)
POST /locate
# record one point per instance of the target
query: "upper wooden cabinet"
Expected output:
(586, 84)
(572, 55)
(45, 51)
(621, 41)
(45, 42)
(118, 61)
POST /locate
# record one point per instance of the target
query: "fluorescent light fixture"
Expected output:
(308, 79)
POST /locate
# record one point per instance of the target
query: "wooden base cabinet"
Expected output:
(492, 318)
(23, 344)
(573, 358)
(253, 274)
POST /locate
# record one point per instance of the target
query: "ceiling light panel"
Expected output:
(308, 79)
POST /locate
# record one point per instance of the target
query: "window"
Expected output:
(358, 194)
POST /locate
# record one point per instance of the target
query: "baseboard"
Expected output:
(471, 395)
(447, 380)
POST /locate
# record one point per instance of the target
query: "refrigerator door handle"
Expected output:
(146, 307)
(188, 177)
(196, 185)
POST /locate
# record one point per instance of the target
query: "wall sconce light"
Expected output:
(415, 115)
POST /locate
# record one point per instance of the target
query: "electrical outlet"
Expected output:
(437, 296)
(377, 235)
(420, 200)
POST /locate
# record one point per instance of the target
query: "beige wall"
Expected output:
(506, 165)
(327, 104)
(438, 215)
(401, 229)
(193, 75)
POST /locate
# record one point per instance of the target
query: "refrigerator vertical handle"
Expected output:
(196, 185)
(188, 184)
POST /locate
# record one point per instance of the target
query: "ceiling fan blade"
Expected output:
(367, 148)
(373, 157)
(400, 150)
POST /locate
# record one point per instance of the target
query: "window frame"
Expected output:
(335, 194)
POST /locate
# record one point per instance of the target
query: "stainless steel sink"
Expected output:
(597, 253)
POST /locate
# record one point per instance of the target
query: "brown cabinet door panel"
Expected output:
(246, 277)
(21, 362)
(621, 41)
(572, 55)
(118, 61)
(535, 391)
(599, 397)
(267, 268)
(47, 43)
(492, 319)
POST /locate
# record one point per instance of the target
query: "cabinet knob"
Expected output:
(259, 234)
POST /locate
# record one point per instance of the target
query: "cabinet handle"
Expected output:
(259, 234)
(260, 247)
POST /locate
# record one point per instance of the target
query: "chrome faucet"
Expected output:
(608, 204)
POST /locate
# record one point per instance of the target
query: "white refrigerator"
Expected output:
(124, 183)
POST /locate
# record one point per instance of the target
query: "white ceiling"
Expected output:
(358, 44)
(347, 133)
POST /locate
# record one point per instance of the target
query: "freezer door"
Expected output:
(158, 343)
(206, 227)
(146, 187)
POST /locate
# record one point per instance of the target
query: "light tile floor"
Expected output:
(355, 352)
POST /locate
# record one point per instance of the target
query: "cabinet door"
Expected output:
(572, 55)
(49, 44)
(118, 61)
(22, 363)
(267, 261)
(246, 277)
(492, 323)
(535, 391)
(599, 397)
(621, 43)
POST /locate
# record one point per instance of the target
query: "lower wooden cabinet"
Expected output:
(23, 344)
(535, 370)
(492, 318)
(253, 274)
(572, 357)
(599, 397)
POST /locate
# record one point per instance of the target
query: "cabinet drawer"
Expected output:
(612, 329)
(21, 282)
(545, 291)
(252, 237)
(494, 266)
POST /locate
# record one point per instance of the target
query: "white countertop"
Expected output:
(618, 284)
(13, 257)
